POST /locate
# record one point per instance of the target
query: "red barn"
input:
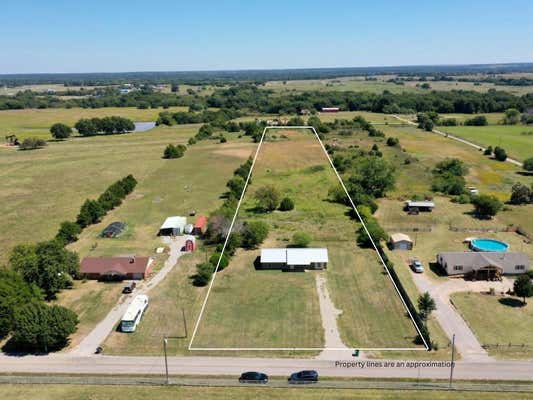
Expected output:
(200, 226)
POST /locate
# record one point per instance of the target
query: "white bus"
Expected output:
(133, 314)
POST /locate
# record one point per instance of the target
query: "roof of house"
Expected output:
(124, 265)
(399, 237)
(480, 259)
(411, 203)
(174, 222)
(294, 256)
(201, 222)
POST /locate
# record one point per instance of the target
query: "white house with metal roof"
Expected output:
(173, 226)
(294, 259)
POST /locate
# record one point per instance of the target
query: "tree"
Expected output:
(488, 151)
(374, 175)
(500, 154)
(528, 164)
(286, 204)
(255, 232)
(392, 141)
(32, 144)
(38, 327)
(521, 194)
(203, 275)
(60, 131)
(376, 232)
(523, 287)
(268, 198)
(486, 206)
(479, 120)
(236, 186)
(512, 116)
(453, 166)
(296, 121)
(426, 305)
(90, 212)
(301, 239)
(86, 127)
(224, 260)
(14, 291)
(172, 151)
(68, 232)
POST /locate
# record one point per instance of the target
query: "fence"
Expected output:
(412, 309)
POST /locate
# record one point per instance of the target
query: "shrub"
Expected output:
(32, 144)
(236, 186)
(448, 122)
(486, 206)
(224, 260)
(528, 164)
(268, 198)
(223, 139)
(68, 232)
(203, 275)
(191, 141)
(521, 194)
(301, 239)
(60, 131)
(172, 151)
(376, 232)
(254, 234)
(392, 141)
(500, 154)
(286, 204)
(479, 120)
(488, 151)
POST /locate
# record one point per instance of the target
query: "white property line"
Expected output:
(367, 232)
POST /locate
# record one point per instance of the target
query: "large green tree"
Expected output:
(426, 305)
(374, 175)
(254, 233)
(268, 198)
(60, 131)
(523, 287)
(486, 206)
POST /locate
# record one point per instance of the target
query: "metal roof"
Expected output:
(399, 237)
(138, 303)
(174, 222)
(420, 203)
(294, 256)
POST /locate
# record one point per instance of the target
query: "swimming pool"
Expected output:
(488, 245)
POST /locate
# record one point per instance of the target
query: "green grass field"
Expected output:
(68, 392)
(37, 123)
(498, 320)
(517, 140)
(243, 298)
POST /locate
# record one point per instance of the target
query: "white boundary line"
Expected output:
(367, 232)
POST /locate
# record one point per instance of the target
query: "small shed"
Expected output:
(188, 229)
(190, 243)
(173, 226)
(413, 207)
(200, 227)
(113, 229)
(400, 241)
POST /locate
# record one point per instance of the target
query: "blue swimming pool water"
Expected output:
(488, 245)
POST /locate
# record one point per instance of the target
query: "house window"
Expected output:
(520, 267)
(457, 267)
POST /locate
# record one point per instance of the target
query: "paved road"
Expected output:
(97, 336)
(115, 365)
(445, 134)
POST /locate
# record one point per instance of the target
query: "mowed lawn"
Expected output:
(243, 298)
(103, 392)
(517, 140)
(498, 320)
(37, 122)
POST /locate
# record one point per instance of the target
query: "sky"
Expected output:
(165, 35)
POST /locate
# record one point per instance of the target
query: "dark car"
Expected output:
(129, 288)
(304, 377)
(253, 377)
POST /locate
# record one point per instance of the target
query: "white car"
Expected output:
(417, 266)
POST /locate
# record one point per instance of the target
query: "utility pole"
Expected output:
(166, 362)
(184, 321)
(452, 365)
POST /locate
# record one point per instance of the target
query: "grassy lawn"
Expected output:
(37, 122)
(68, 392)
(492, 118)
(513, 138)
(373, 315)
(498, 320)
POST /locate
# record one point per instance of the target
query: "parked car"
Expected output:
(98, 350)
(253, 377)
(129, 288)
(304, 377)
(417, 266)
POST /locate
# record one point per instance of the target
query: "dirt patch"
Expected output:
(237, 152)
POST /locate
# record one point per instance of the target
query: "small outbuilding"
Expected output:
(414, 207)
(116, 268)
(330, 109)
(173, 226)
(113, 229)
(190, 243)
(188, 229)
(400, 241)
(200, 227)
(294, 259)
